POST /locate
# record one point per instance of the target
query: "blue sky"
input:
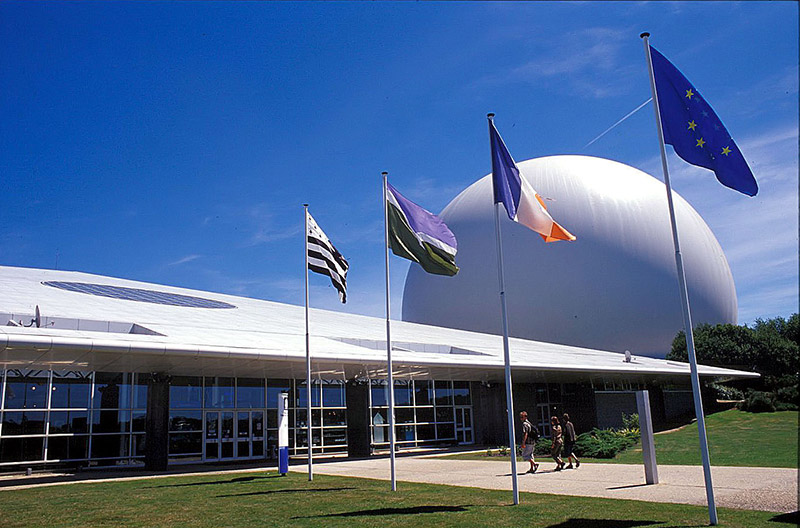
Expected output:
(175, 142)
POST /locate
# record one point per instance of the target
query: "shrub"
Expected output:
(605, 443)
(757, 401)
(630, 423)
(724, 392)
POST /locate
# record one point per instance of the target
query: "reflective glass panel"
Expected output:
(219, 393)
(250, 393)
(424, 414)
(186, 392)
(33, 422)
(69, 393)
(258, 424)
(139, 421)
(110, 446)
(58, 448)
(444, 414)
(404, 414)
(243, 425)
(302, 394)
(12, 423)
(26, 392)
(333, 394)
(402, 392)
(446, 431)
(111, 390)
(334, 437)
(111, 421)
(422, 392)
(461, 393)
(335, 417)
(275, 387)
(185, 443)
(444, 393)
(379, 396)
(426, 432)
(186, 421)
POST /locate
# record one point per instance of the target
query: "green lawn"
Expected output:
(261, 500)
(735, 438)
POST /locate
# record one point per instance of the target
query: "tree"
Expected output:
(770, 348)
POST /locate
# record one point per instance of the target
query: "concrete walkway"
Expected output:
(766, 489)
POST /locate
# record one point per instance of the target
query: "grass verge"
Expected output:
(261, 499)
(735, 438)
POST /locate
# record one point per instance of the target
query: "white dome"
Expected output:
(615, 288)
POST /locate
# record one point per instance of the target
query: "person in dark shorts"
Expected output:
(568, 432)
(558, 443)
(529, 437)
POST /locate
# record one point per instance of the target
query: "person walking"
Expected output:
(558, 443)
(529, 437)
(568, 433)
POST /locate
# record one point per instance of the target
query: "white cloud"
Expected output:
(184, 260)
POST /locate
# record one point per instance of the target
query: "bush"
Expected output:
(724, 392)
(757, 401)
(605, 443)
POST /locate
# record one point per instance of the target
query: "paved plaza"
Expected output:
(767, 489)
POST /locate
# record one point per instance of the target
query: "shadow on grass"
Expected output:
(790, 518)
(602, 523)
(236, 480)
(413, 510)
(270, 492)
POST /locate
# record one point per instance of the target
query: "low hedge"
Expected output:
(597, 443)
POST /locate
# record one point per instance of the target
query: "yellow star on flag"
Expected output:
(689, 93)
(726, 151)
(692, 125)
(700, 143)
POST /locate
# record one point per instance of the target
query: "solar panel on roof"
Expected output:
(136, 294)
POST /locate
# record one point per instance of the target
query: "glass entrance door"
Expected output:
(249, 434)
(211, 444)
(464, 425)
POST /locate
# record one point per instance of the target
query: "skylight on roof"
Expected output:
(140, 295)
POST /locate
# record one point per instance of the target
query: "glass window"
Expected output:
(446, 431)
(12, 423)
(402, 392)
(21, 449)
(140, 393)
(444, 393)
(111, 390)
(111, 421)
(59, 422)
(426, 432)
(404, 414)
(302, 393)
(379, 396)
(250, 393)
(58, 448)
(219, 393)
(461, 392)
(404, 433)
(185, 443)
(78, 447)
(555, 392)
(424, 414)
(26, 392)
(334, 437)
(422, 392)
(274, 388)
(186, 392)
(69, 393)
(139, 421)
(33, 422)
(335, 417)
(110, 446)
(333, 394)
(444, 414)
(186, 421)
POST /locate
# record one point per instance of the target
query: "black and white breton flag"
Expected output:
(325, 259)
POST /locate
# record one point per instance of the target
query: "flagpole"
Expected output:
(390, 379)
(687, 315)
(506, 356)
(308, 353)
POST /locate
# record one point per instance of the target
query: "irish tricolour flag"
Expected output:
(522, 203)
(419, 235)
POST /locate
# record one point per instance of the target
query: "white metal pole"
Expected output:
(506, 355)
(687, 315)
(308, 353)
(390, 378)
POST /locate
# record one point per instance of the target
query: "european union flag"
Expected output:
(694, 130)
